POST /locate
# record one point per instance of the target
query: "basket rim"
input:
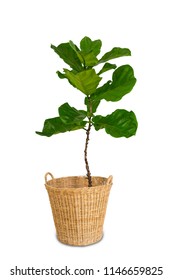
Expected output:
(76, 189)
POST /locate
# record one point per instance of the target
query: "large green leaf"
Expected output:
(123, 81)
(87, 46)
(120, 123)
(115, 53)
(69, 119)
(106, 67)
(69, 114)
(86, 81)
(56, 125)
(66, 52)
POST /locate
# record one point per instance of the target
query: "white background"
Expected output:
(138, 228)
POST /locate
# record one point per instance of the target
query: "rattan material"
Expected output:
(78, 210)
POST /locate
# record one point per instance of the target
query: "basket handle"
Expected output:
(48, 174)
(109, 180)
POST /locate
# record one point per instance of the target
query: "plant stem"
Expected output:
(86, 144)
(86, 153)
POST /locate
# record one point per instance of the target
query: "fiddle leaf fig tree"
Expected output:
(82, 74)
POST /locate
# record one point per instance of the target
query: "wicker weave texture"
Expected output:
(78, 210)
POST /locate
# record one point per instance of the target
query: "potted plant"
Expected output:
(79, 202)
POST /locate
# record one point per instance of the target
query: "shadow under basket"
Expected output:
(78, 210)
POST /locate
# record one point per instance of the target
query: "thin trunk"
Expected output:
(86, 143)
(86, 153)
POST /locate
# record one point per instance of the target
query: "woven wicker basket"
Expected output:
(78, 210)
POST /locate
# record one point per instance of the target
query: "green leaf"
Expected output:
(69, 114)
(63, 76)
(66, 52)
(86, 81)
(123, 81)
(107, 66)
(115, 53)
(87, 46)
(94, 97)
(86, 58)
(69, 119)
(50, 127)
(73, 46)
(120, 123)
(56, 125)
(77, 51)
(89, 59)
(95, 104)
